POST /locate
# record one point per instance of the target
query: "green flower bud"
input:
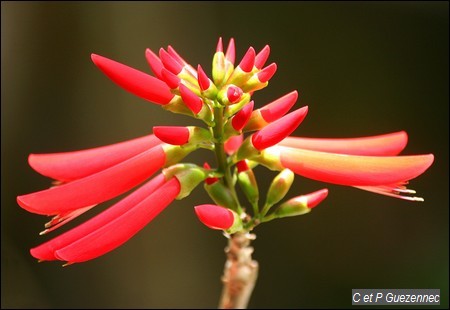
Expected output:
(247, 182)
(279, 187)
(221, 195)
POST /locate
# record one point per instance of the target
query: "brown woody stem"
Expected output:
(240, 272)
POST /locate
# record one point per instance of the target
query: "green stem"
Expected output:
(223, 166)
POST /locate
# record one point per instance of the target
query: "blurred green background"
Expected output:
(364, 68)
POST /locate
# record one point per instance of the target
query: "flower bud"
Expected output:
(180, 135)
(229, 95)
(220, 218)
(206, 85)
(247, 182)
(221, 194)
(218, 65)
(301, 205)
(278, 130)
(279, 187)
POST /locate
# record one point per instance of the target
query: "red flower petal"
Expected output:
(354, 170)
(279, 107)
(380, 145)
(279, 129)
(96, 188)
(175, 135)
(215, 217)
(134, 81)
(68, 166)
(120, 229)
(46, 250)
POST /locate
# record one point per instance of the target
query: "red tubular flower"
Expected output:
(262, 57)
(154, 62)
(134, 81)
(215, 217)
(203, 81)
(170, 79)
(169, 62)
(97, 187)
(193, 102)
(271, 111)
(354, 170)
(114, 226)
(69, 166)
(241, 118)
(387, 144)
(248, 60)
(266, 74)
(278, 130)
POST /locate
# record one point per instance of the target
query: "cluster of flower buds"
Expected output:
(241, 136)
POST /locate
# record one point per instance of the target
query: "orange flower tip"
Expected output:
(262, 56)
(169, 62)
(234, 94)
(231, 51)
(313, 199)
(169, 78)
(175, 135)
(219, 47)
(154, 62)
(215, 217)
(203, 79)
(44, 232)
(242, 166)
(279, 107)
(248, 60)
(279, 129)
(242, 117)
(193, 102)
(41, 260)
(266, 74)
(67, 264)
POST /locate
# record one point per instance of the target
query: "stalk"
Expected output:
(240, 272)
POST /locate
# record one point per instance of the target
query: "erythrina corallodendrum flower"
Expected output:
(240, 135)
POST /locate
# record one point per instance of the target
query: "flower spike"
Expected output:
(134, 81)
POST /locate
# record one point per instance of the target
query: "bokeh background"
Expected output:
(364, 68)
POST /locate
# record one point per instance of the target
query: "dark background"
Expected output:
(364, 68)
